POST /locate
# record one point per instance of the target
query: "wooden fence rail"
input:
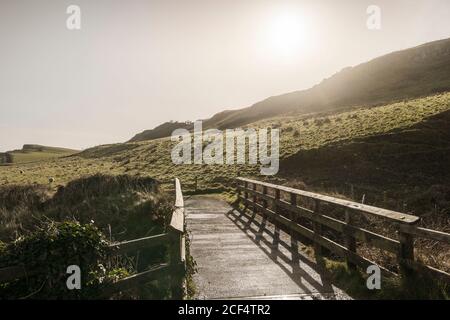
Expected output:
(175, 268)
(268, 201)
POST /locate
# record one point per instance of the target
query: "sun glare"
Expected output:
(287, 34)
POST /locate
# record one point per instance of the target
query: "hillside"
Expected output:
(33, 152)
(302, 138)
(411, 73)
(161, 131)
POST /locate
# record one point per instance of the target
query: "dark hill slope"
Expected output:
(161, 131)
(407, 164)
(407, 74)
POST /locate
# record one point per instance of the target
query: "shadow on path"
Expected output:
(283, 249)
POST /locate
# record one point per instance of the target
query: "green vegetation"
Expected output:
(392, 154)
(48, 252)
(152, 158)
(353, 282)
(122, 207)
(45, 229)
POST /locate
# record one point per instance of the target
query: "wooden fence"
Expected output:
(268, 199)
(175, 268)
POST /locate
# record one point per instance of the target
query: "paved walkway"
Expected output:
(244, 256)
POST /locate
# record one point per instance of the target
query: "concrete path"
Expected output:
(240, 255)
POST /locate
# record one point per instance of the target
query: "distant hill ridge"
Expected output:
(406, 74)
(161, 131)
(33, 152)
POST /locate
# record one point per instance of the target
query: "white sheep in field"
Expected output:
(51, 179)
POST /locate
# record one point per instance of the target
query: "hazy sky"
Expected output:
(135, 64)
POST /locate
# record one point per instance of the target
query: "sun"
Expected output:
(286, 34)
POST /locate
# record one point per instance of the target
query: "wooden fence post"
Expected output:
(406, 252)
(246, 193)
(277, 198)
(292, 215)
(350, 241)
(265, 200)
(293, 201)
(275, 205)
(254, 198)
(317, 229)
(177, 261)
(238, 190)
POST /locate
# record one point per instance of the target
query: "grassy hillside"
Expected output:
(32, 152)
(298, 135)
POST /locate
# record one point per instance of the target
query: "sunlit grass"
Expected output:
(298, 132)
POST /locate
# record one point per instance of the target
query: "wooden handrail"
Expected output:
(179, 201)
(383, 213)
(135, 280)
(136, 244)
(405, 224)
(426, 233)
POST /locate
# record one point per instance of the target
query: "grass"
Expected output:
(123, 207)
(353, 282)
(152, 158)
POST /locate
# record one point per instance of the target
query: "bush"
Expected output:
(13, 196)
(123, 207)
(101, 185)
(289, 129)
(19, 209)
(48, 252)
(321, 121)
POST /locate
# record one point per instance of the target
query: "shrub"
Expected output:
(48, 252)
(12, 196)
(289, 129)
(19, 209)
(101, 185)
(321, 121)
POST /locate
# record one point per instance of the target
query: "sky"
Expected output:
(135, 64)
